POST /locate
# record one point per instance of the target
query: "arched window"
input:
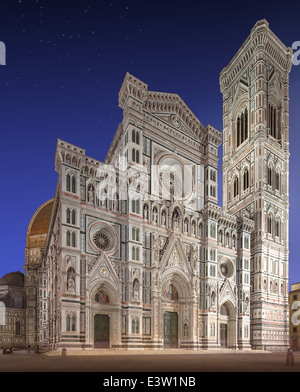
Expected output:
(242, 127)
(235, 187)
(135, 155)
(73, 184)
(135, 136)
(133, 253)
(272, 121)
(73, 239)
(68, 183)
(135, 326)
(73, 217)
(18, 328)
(68, 238)
(68, 215)
(246, 179)
(73, 323)
(269, 176)
(269, 224)
(277, 181)
(277, 228)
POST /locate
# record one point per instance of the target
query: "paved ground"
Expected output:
(150, 362)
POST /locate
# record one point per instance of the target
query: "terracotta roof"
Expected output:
(40, 221)
(13, 279)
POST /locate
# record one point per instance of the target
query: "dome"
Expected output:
(38, 226)
(13, 279)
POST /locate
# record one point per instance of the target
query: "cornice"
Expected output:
(260, 37)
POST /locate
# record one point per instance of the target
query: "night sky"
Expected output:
(65, 64)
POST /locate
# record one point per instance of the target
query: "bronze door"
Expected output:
(223, 335)
(170, 330)
(101, 331)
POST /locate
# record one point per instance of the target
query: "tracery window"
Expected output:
(135, 325)
(269, 176)
(235, 187)
(135, 136)
(272, 121)
(277, 181)
(135, 206)
(269, 224)
(242, 127)
(277, 228)
(246, 179)
(18, 328)
(135, 155)
(70, 183)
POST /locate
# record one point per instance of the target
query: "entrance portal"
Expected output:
(223, 335)
(101, 331)
(170, 330)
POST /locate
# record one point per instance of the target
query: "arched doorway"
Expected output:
(177, 311)
(224, 313)
(170, 331)
(227, 325)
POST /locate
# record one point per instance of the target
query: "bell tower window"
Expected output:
(272, 121)
(242, 127)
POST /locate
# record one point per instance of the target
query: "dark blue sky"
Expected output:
(66, 61)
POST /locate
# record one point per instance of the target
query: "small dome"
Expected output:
(13, 279)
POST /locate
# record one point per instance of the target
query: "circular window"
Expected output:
(103, 237)
(101, 240)
(175, 178)
(226, 268)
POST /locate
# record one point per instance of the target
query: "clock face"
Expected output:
(175, 179)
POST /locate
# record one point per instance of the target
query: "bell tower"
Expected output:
(255, 88)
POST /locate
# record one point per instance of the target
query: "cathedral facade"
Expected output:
(137, 253)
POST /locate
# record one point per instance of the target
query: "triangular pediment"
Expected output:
(102, 268)
(227, 293)
(172, 110)
(173, 120)
(239, 90)
(175, 257)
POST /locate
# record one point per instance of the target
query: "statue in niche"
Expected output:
(71, 279)
(163, 218)
(193, 228)
(155, 215)
(71, 283)
(186, 226)
(156, 248)
(213, 299)
(91, 194)
(135, 289)
(176, 219)
(146, 211)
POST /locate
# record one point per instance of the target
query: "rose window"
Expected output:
(226, 268)
(101, 240)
